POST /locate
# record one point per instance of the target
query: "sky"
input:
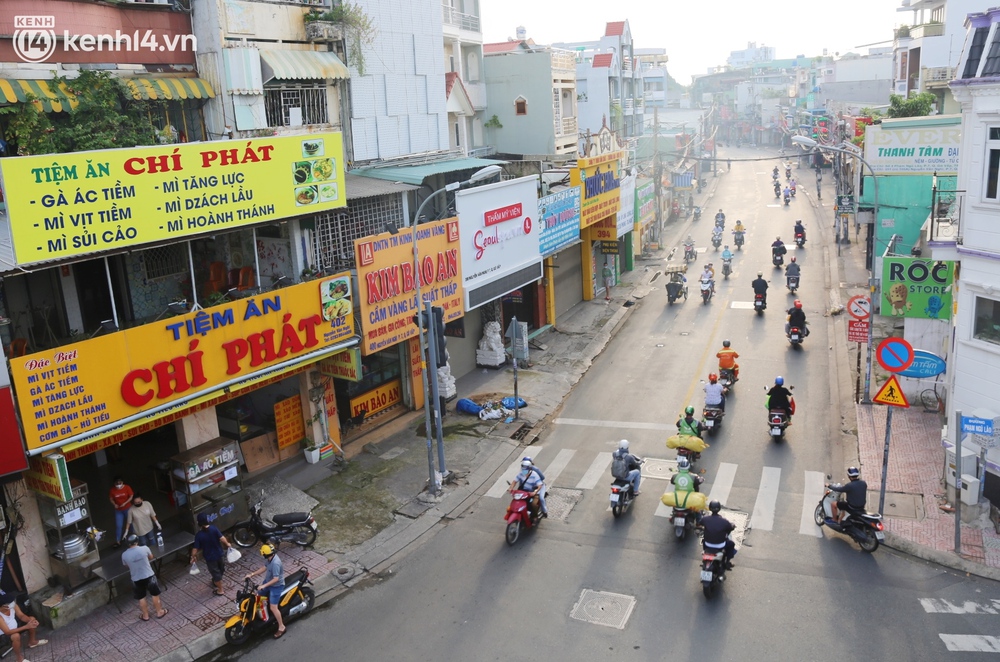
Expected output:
(701, 34)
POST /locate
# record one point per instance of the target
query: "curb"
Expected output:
(946, 559)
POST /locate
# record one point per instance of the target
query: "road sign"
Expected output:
(859, 307)
(924, 365)
(891, 394)
(975, 425)
(894, 354)
(857, 330)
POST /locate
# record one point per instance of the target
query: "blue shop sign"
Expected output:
(560, 220)
(924, 365)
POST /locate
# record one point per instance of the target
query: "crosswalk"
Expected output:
(965, 643)
(569, 462)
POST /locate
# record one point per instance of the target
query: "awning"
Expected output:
(301, 65)
(417, 173)
(359, 188)
(169, 88)
(49, 97)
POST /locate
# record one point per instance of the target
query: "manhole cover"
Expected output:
(603, 608)
(656, 468)
(741, 521)
(560, 501)
(521, 432)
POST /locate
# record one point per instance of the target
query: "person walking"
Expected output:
(141, 519)
(212, 544)
(13, 622)
(273, 585)
(137, 558)
(120, 497)
(609, 278)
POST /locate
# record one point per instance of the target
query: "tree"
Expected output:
(916, 106)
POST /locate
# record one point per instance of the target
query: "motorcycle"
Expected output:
(254, 616)
(675, 291)
(690, 254)
(299, 528)
(720, 222)
(758, 304)
(697, 213)
(706, 290)
(717, 240)
(691, 455)
(727, 377)
(524, 511)
(713, 571)
(792, 283)
(777, 259)
(800, 239)
(684, 519)
(712, 415)
(727, 267)
(738, 240)
(788, 173)
(788, 198)
(621, 495)
(792, 190)
(777, 189)
(795, 336)
(867, 529)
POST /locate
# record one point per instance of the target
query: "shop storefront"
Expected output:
(559, 245)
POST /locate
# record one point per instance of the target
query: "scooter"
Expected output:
(712, 415)
(777, 259)
(713, 571)
(684, 519)
(299, 528)
(524, 512)
(795, 336)
(727, 378)
(254, 615)
(758, 304)
(675, 291)
(738, 240)
(788, 198)
(691, 455)
(716, 240)
(788, 173)
(621, 495)
(727, 267)
(792, 190)
(697, 213)
(867, 530)
(793, 283)
(690, 254)
(706, 290)
(720, 221)
(777, 190)
(800, 239)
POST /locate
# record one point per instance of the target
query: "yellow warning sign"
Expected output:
(891, 394)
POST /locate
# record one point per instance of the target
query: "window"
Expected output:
(306, 100)
(992, 164)
(520, 106)
(975, 52)
(987, 326)
(164, 261)
(992, 65)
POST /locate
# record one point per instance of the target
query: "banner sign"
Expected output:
(609, 247)
(377, 399)
(597, 178)
(49, 477)
(79, 203)
(288, 424)
(857, 330)
(70, 390)
(560, 220)
(388, 286)
(626, 213)
(914, 150)
(343, 365)
(915, 287)
(645, 203)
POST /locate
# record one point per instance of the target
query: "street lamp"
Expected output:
(480, 175)
(809, 143)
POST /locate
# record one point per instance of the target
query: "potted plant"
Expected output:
(344, 22)
(311, 451)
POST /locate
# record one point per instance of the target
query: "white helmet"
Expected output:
(525, 464)
(683, 463)
(623, 445)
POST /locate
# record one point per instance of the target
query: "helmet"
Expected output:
(726, 343)
(712, 377)
(689, 410)
(715, 507)
(132, 539)
(526, 463)
(779, 380)
(266, 550)
(793, 258)
(683, 464)
(760, 274)
(798, 304)
(623, 445)
(777, 238)
(726, 247)
(853, 473)
(720, 209)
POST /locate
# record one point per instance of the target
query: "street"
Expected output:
(797, 593)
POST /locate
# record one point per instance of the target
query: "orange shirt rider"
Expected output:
(727, 359)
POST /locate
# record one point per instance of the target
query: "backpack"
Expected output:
(619, 469)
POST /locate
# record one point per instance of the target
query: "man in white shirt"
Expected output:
(715, 393)
(10, 616)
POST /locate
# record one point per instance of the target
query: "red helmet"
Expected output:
(713, 377)
(798, 304)
(793, 258)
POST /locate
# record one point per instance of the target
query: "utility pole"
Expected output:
(657, 172)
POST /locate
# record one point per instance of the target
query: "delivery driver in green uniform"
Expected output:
(689, 426)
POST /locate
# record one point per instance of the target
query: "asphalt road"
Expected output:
(797, 593)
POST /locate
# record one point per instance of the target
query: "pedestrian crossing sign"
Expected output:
(891, 394)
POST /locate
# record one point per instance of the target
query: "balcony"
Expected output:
(944, 222)
(629, 106)
(563, 65)
(927, 30)
(937, 76)
(482, 152)
(567, 126)
(477, 94)
(460, 20)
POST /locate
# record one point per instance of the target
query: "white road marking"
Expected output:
(557, 465)
(615, 424)
(500, 487)
(767, 497)
(742, 305)
(971, 643)
(595, 472)
(938, 606)
(813, 492)
(663, 510)
(723, 483)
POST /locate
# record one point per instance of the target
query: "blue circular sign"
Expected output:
(894, 354)
(925, 364)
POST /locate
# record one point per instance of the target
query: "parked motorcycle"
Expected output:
(727, 267)
(697, 213)
(795, 336)
(867, 530)
(712, 415)
(253, 614)
(758, 303)
(299, 528)
(713, 571)
(524, 512)
(727, 378)
(684, 519)
(738, 240)
(706, 290)
(792, 282)
(800, 239)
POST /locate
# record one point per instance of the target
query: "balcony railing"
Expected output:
(566, 126)
(944, 223)
(460, 20)
(938, 75)
(927, 30)
(481, 152)
(564, 61)
(629, 105)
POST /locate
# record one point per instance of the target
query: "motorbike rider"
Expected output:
(529, 480)
(786, 193)
(688, 245)
(727, 358)
(774, 173)
(780, 398)
(688, 425)
(717, 529)
(797, 317)
(800, 230)
(273, 585)
(855, 496)
(726, 253)
(791, 185)
(632, 463)
(677, 283)
(537, 470)
(793, 269)
(778, 248)
(715, 393)
(684, 480)
(739, 228)
(777, 188)
(720, 219)
(760, 287)
(708, 275)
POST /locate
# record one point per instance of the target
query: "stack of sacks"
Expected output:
(689, 500)
(694, 444)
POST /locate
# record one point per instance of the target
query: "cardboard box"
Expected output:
(260, 452)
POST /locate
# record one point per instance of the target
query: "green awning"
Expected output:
(301, 65)
(417, 173)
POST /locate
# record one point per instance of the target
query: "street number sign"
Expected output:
(859, 307)
(894, 354)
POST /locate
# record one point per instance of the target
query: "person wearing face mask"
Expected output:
(142, 520)
(120, 497)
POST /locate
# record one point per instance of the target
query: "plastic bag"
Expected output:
(509, 403)
(467, 406)
(233, 555)
(193, 570)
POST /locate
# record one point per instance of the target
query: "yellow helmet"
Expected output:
(266, 550)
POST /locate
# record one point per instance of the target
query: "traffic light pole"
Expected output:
(432, 364)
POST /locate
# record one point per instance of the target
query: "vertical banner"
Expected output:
(288, 421)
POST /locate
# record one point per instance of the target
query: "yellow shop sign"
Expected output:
(377, 399)
(65, 205)
(48, 476)
(598, 180)
(343, 365)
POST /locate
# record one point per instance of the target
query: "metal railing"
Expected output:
(945, 217)
(480, 152)
(927, 30)
(566, 127)
(629, 105)
(459, 19)
(938, 74)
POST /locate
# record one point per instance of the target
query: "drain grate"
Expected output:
(560, 502)
(602, 608)
(521, 432)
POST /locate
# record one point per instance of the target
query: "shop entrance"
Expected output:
(378, 392)
(520, 304)
(92, 292)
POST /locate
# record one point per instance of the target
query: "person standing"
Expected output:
(212, 544)
(609, 278)
(141, 519)
(137, 558)
(10, 617)
(273, 585)
(120, 497)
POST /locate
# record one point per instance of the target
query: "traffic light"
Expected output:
(419, 320)
(437, 336)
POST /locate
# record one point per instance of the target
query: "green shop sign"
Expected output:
(913, 287)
